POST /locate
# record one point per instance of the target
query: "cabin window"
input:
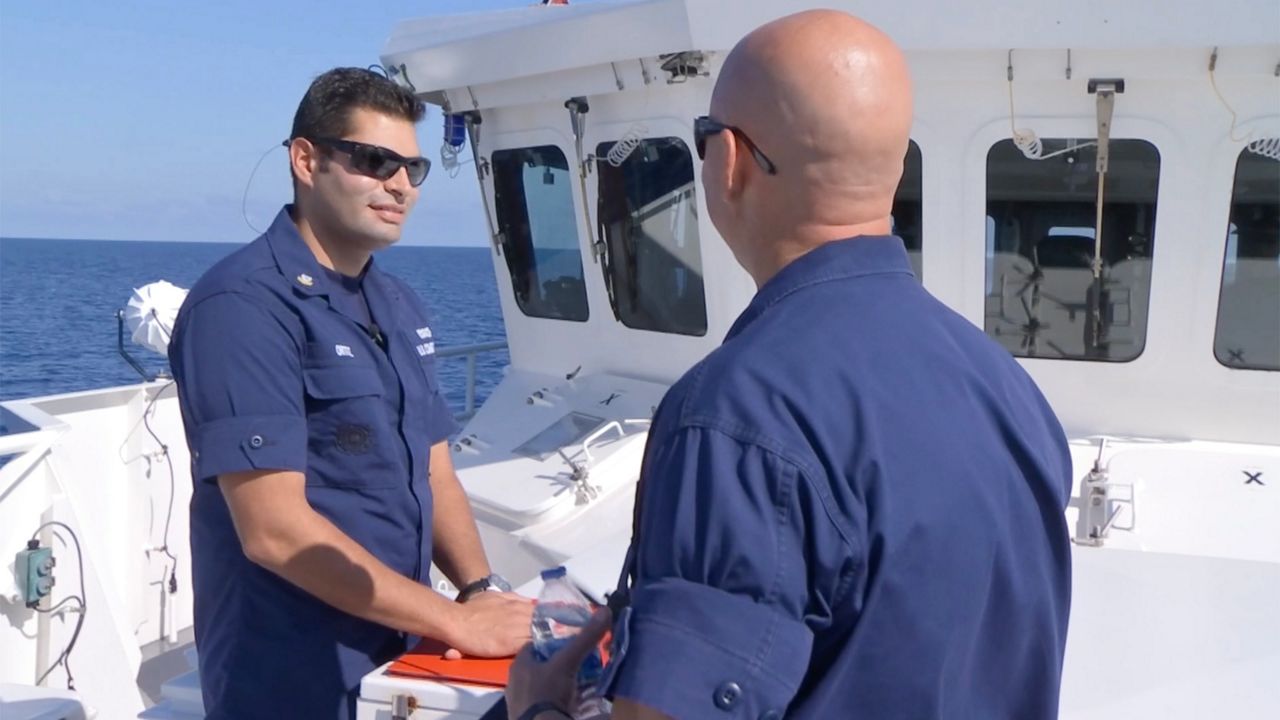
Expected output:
(1044, 298)
(906, 208)
(533, 198)
(1248, 329)
(648, 226)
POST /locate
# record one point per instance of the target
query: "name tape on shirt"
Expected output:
(424, 333)
(426, 349)
(343, 351)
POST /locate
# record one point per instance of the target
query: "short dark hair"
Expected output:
(325, 111)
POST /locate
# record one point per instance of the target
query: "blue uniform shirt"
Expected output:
(852, 508)
(278, 369)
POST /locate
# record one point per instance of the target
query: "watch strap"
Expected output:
(472, 588)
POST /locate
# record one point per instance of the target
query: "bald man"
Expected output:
(854, 507)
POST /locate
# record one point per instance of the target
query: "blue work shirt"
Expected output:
(851, 509)
(278, 369)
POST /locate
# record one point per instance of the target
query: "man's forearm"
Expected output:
(457, 549)
(322, 560)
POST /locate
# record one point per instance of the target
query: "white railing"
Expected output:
(471, 352)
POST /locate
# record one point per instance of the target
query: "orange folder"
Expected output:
(427, 662)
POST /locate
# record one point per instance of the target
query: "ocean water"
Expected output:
(58, 303)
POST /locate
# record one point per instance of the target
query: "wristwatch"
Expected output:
(488, 582)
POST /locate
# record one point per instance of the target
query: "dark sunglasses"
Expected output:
(377, 161)
(704, 127)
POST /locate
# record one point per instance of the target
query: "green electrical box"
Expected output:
(34, 568)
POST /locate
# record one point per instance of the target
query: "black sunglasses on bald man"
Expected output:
(704, 126)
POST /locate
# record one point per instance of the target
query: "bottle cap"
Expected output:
(553, 573)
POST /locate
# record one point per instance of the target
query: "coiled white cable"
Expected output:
(1213, 83)
(1266, 147)
(449, 155)
(1030, 145)
(622, 149)
(1025, 139)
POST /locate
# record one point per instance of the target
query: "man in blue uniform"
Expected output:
(854, 507)
(323, 483)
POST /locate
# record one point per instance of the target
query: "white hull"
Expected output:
(1170, 619)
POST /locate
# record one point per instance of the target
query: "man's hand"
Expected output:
(555, 680)
(490, 624)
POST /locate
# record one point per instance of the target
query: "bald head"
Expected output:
(827, 97)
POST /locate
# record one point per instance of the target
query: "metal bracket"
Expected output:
(1096, 513)
(1098, 507)
(584, 492)
(1068, 63)
(1116, 83)
(402, 706)
(473, 119)
(684, 65)
(1106, 91)
(578, 108)
(617, 78)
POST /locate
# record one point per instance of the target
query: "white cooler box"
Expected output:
(430, 700)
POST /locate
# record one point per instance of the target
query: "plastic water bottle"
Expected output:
(560, 614)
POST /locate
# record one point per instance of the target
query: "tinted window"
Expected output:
(648, 222)
(1248, 330)
(533, 198)
(1043, 296)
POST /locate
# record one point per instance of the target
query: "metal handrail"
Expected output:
(470, 352)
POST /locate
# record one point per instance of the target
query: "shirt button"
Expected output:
(727, 695)
(255, 441)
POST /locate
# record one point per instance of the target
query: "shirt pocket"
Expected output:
(350, 438)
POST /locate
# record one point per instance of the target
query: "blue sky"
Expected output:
(142, 120)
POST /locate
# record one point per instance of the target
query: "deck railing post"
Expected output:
(471, 352)
(471, 383)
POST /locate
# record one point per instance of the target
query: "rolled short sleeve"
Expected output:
(239, 378)
(715, 627)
